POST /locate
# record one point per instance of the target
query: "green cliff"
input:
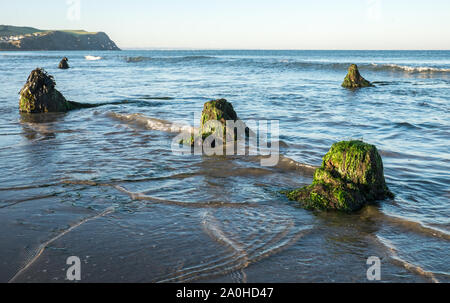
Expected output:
(32, 39)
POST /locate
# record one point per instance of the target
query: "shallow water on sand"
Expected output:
(103, 184)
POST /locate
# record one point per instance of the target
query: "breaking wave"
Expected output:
(363, 66)
(92, 58)
(291, 64)
(167, 59)
(409, 69)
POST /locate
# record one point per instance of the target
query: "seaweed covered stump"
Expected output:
(215, 115)
(354, 78)
(351, 176)
(39, 95)
(216, 110)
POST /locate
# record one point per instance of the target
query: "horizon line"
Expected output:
(273, 49)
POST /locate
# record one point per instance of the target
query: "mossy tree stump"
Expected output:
(214, 118)
(354, 78)
(39, 95)
(351, 176)
(213, 123)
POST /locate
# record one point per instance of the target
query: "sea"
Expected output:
(104, 185)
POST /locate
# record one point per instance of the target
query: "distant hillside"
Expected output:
(33, 39)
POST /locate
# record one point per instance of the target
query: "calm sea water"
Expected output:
(102, 184)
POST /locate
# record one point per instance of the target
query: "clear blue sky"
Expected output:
(248, 24)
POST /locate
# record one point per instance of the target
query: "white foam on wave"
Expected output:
(153, 123)
(92, 58)
(414, 69)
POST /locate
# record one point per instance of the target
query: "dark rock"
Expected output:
(354, 78)
(63, 64)
(351, 176)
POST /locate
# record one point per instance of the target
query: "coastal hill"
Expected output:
(33, 39)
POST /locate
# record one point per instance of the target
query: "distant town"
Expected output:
(19, 37)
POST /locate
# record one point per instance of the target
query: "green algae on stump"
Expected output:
(215, 115)
(351, 176)
(216, 111)
(354, 78)
(39, 95)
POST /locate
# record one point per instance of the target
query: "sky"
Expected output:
(245, 24)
